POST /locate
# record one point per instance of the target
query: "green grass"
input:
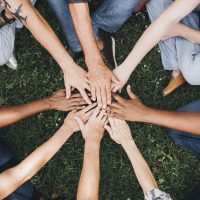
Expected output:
(175, 169)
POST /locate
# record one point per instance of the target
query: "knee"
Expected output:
(192, 76)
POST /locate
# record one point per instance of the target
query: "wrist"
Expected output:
(92, 145)
(128, 144)
(67, 64)
(92, 62)
(68, 128)
(149, 115)
(146, 114)
(47, 103)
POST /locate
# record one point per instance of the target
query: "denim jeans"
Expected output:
(25, 192)
(110, 17)
(189, 141)
(178, 53)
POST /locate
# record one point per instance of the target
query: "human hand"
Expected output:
(131, 110)
(119, 131)
(76, 77)
(122, 74)
(176, 30)
(58, 101)
(84, 115)
(100, 78)
(93, 130)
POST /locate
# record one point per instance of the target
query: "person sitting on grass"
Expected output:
(13, 177)
(119, 131)
(183, 125)
(8, 25)
(180, 52)
(74, 75)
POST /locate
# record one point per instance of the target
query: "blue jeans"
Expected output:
(189, 141)
(178, 53)
(110, 17)
(25, 192)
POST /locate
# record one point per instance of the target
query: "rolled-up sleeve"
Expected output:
(78, 1)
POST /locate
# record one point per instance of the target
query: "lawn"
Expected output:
(175, 169)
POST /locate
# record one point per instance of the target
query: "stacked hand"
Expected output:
(130, 110)
(76, 77)
(93, 130)
(100, 79)
(119, 131)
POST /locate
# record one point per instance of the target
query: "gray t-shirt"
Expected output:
(7, 40)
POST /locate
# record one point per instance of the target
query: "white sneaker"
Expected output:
(12, 63)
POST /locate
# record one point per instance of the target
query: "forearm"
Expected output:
(11, 179)
(141, 168)
(40, 29)
(84, 30)
(89, 182)
(182, 121)
(13, 114)
(156, 31)
(190, 34)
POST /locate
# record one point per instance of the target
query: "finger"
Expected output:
(116, 88)
(103, 97)
(118, 98)
(108, 94)
(76, 95)
(76, 108)
(93, 93)
(114, 116)
(115, 80)
(79, 103)
(68, 91)
(113, 109)
(111, 121)
(98, 94)
(105, 120)
(101, 114)
(85, 96)
(88, 108)
(87, 86)
(130, 93)
(96, 112)
(80, 122)
(115, 105)
(89, 113)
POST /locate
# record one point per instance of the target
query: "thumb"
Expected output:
(115, 79)
(68, 91)
(80, 123)
(130, 93)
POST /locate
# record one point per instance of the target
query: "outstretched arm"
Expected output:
(134, 110)
(120, 133)
(185, 32)
(100, 75)
(92, 132)
(156, 31)
(74, 76)
(56, 101)
(12, 178)
(89, 182)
